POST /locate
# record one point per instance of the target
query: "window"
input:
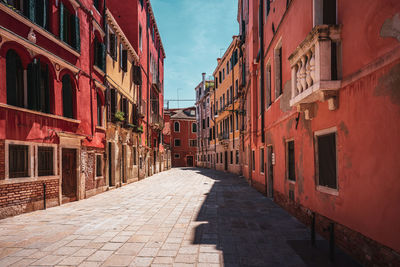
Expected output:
(290, 167)
(134, 155)
(262, 160)
(177, 127)
(217, 158)
(18, 158)
(140, 37)
(237, 156)
(326, 160)
(67, 94)
(99, 166)
(204, 123)
(123, 58)
(39, 90)
(193, 143)
(231, 157)
(268, 85)
(236, 89)
(45, 161)
(194, 127)
(278, 71)
(99, 54)
(208, 121)
(112, 104)
(253, 160)
(99, 111)
(37, 11)
(325, 12)
(112, 44)
(237, 121)
(177, 156)
(177, 142)
(69, 27)
(14, 80)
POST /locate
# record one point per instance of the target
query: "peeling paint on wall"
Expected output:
(343, 128)
(389, 85)
(285, 99)
(391, 27)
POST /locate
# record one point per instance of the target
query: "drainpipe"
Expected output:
(261, 33)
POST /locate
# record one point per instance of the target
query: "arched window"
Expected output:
(14, 79)
(38, 86)
(99, 111)
(67, 94)
(177, 127)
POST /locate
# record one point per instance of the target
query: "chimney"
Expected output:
(204, 81)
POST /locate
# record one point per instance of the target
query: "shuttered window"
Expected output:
(18, 161)
(113, 46)
(67, 94)
(45, 161)
(99, 54)
(14, 79)
(113, 103)
(69, 28)
(268, 85)
(326, 149)
(99, 166)
(124, 64)
(99, 111)
(278, 71)
(38, 86)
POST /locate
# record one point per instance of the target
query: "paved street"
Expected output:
(183, 217)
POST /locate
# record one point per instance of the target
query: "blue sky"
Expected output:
(193, 33)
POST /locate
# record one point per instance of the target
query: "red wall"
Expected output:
(366, 119)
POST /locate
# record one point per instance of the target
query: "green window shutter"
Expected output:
(29, 7)
(46, 87)
(120, 55)
(103, 56)
(125, 60)
(62, 21)
(77, 35)
(11, 69)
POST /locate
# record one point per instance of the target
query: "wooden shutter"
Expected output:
(11, 69)
(31, 9)
(277, 73)
(103, 56)
(120, 55)
(77, 34)
(108, 103)
(46, 88)
(62, 21)
(125, 60)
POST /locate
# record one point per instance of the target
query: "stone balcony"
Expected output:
(315, 71)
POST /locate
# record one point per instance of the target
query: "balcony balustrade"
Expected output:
(142, 108)
(315, 71)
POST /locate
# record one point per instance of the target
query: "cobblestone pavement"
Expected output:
(183, 217)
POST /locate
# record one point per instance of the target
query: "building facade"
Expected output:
(317, 89)
(205, 124)
(180, 133)
(227, 111)
(67, 69)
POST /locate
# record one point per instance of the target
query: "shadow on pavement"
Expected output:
(251, 230)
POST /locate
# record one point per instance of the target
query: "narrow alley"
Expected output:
(182, 217)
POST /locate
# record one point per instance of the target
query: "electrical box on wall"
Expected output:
(273, 158)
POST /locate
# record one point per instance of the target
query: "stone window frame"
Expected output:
(179, 127)
(278, 46)
(32, 162)
(320, 188)
(262, 163)
(180, 143)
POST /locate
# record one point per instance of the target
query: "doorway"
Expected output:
(226, 160)
(69, 177)
(110, 157)
(122, 172)
(190, 161)
(270, 170)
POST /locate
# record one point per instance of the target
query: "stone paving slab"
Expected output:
(183, 217)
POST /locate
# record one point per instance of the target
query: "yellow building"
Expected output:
(226, 110)
(123, 131)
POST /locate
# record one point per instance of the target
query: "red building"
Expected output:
(180, 135)
(319, 84)
(138, 22)
(51, 100)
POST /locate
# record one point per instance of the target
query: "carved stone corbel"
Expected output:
(308, 109)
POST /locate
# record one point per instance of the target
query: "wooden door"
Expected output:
(190, 161)
(270, 170)
(69, 179)
(226, 160)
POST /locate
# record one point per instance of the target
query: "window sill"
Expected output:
(39, 113)
(39, 29)
(327, 190)
(27, 179)
(98, 70)
(101, 128)
(99, 177)
(291, 181)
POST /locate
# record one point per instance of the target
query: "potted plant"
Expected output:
(131, 126)
(119, 116)
(139, 129)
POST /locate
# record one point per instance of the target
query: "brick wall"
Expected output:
(2, 160)
(367, 251)
(18, 198)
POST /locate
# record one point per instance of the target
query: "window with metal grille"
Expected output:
(99, 166)
(290, 161)
(327, 165)
(18, 158)
(45, 161)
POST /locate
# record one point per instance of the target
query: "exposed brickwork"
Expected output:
(365, 250)
(25, 197)
(2, 160)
